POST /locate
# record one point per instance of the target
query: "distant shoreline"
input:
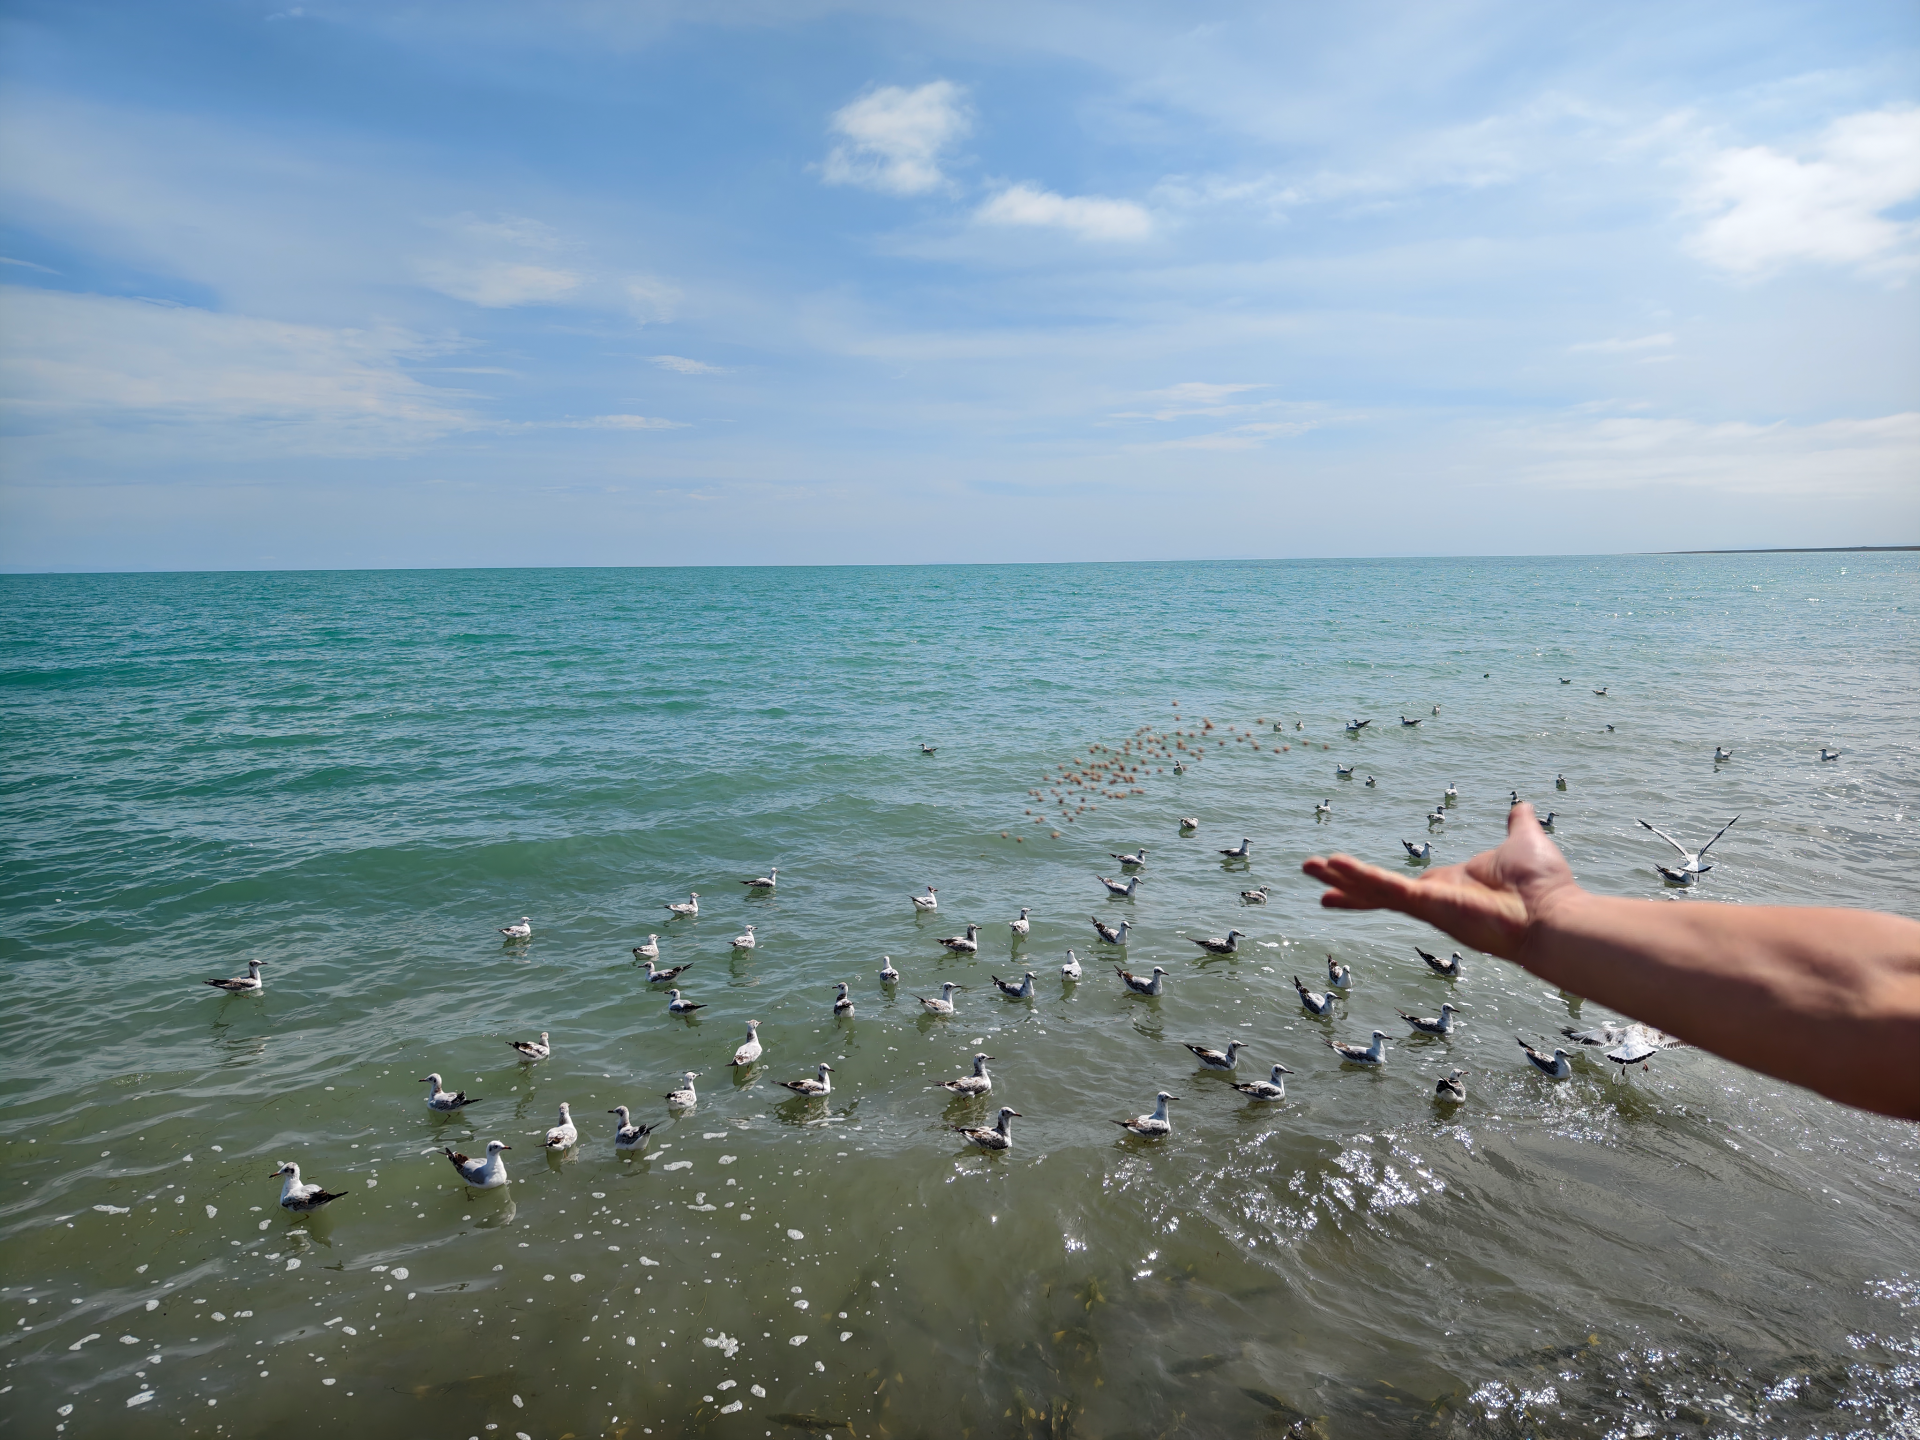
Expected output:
(1795, 550)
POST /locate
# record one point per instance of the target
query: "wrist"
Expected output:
(1551, 912)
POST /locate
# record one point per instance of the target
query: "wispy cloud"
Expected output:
(28, 264)
(1829, 206)
(616, 422)
(475, 270)
(680, 364)
(895, 139)
(1191, 397)
(1621, 346)
(1091, 217)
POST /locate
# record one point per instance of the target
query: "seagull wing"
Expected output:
(1723, 830)
(1670, 840)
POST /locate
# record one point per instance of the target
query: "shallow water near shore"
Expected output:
(358, 778)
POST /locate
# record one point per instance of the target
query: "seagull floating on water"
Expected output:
(518, 932)
(751, 1050)
(682, 1096)
(1345, 772)
(1272, 1088)
(1513, 798)
(1114, 887)
(746, 941)
(1720, 754)
(301, 1198)
(1240, 851)
(928, 901)
(1689, 859)
(842, 1005)
(533, 1049)
(677, 1006)
(487, 1174)
(648, 951)
(1559, 782)
(998, 1136)
(1258, 895)
(1143, 987)
(1022, 991)
(438, 1099)
(1189, 822)
(1422, 720)
(1226, 944)
(1112, 934)
(1218, 1059)
(1071, 969)
(566, 1134)
(978, 1083)
(967, 944)
(944, 1005)
(888, 975)
(1546, 820)
(1422, 851)
(1450, 967)
(926, 749)
(1826, 754)
(812, 1089)
(1138, 857)
(1554, 1066)
(1441, 1024)
(626, 1134)
(1325, 807)
(1565, 681)
(247, 984)
(1357, 725)
(1317, 1002)
(1154, 1125)
(1451, 1090)
(1450, 794)
(1677, 877)
(689, 907)
(1437, 817)
(657, 976)
(1338, 975)
(1374, 1054)
(1601, 691)
(765, 882)
(1020, 925)
(1371, 782)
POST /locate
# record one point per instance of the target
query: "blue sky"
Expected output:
(492, 283)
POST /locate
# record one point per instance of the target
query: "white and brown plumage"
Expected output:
(764, 882)
(997, 1136)
(926, 749)
(751, 1050)
(648, 951)
(520, 931)
(1112, 934)
(682, 1096)
(1629, 1044)
(487, 1173)
(1422, 851)
(1217, 1059)
(1256, 896)
(1441, 1024)
(657, 976)
(1318, 1002)
(1138, 986)
(1151, 1126)
(1020, 925)
(1226, 944)
(813, 1089)
(532, 1049)
(1138, 857)
(746, 941)
(888, 975)
(1374, 1054)
(1554, 1066)
(978, 1083)
(1114, 887)
(298, 1196)
(247, 984)
(1690, 859)
(689, 907)
(1323, 809)
(944, 1005)
(1411, 723)
(1451, 1089)
(678, 1006)
(1022, 991)
(1338, 975)
(566, 1134)
(1070, 970)
(1272, 1088)
(928, 901)
(842, 1002)
(967, 944)
(626, 1134)
(1240, 851)
(441, 1099)
(1342, 772)
(1189, 822)
(1451, 967)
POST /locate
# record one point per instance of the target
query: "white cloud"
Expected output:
(1243, 437)
(1192, 397)
(1621, 346)
(896, 138)
(680, 364)
(499, 284)
(653, 300)
(1091, 217)
(619, 422)
(1769, 209)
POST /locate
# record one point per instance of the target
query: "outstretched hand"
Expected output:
(1487, 903)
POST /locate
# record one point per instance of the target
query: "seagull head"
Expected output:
(287, 1169)
(1164, 1096)
(433, 1080)
(494, 1147)
(621, 1111)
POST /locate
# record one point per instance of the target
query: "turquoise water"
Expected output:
(358, 778)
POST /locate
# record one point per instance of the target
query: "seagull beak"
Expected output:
(506, 1147)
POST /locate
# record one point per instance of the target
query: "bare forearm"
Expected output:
(1829, 999)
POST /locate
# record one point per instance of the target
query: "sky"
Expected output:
(347, 285)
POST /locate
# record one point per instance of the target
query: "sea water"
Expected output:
(359, 778)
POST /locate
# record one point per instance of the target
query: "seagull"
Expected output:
(1546, 820)
(1371, 782)
(1411, 723)
(1345, 772)
(967, 944)
(1441, 1024)
(566, 1134)
(1358, 725)
(1436, 709)
(1601, 691)
(247, 984)
(1690, 860)
(1021, 925)
(1257, 895)
(1554, 1067)
(842, 1006)
(1513, 798)
(1677, 877)
(1179, 768)
(1826, 754)
(1272, 1088)
(438, 1099)
(1153, 1125)
(1449, 967)
(1317, 1002)
(944, 1005)
(1438, 817)
(689, 907)
(812, 1089)
(1422, 851)
(677, 1006)
(518, 932)
(998, 1136)
(1070, 970)
(1451, 1090)
(1143, 987)
(656, 976)
(1113, 935)
(1114, 887)
(926, 749)
(750, 1051)
(978, 1083)
(533, 1049)
(1240, 851)
(301, 1198)
(765, 882)
(1325, 807)
(1565, 681)
(487, 1174)
(648, 951)
(682, 1097)
(1374, 1054)
(746, 941)
(1138, 857)
(1022, 991)
(928, 901)
(1218, 1059)
(1720, 754)
(888, 975)
(626, 1134)
(1625, 1045)
(1189, 822)
(1609, 730)
(1559, 782)
(1338, 975)
(1221, 944)
(1450, 795)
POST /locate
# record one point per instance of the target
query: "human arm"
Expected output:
(1825, 998)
